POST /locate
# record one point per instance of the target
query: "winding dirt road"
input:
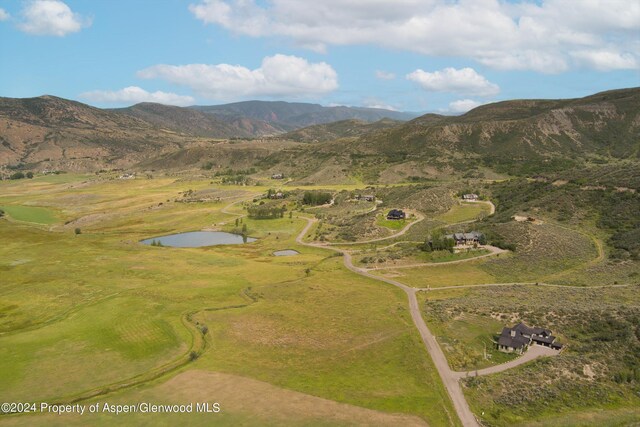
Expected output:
(448, 377)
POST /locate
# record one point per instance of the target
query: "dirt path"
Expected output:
(492, 249)
(535, 351)
(447, 376)
(406, 228)
(548, 285)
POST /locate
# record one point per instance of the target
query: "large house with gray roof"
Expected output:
(521, 336)
(466, 239)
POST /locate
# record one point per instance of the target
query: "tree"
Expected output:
(237, 221)
(29, 174)
(17, 175)
(315, 198)
(244, 228)
(77, 231)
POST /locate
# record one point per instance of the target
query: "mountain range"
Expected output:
(513, 137)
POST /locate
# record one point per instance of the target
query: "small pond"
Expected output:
(196, 239)
(286, 252)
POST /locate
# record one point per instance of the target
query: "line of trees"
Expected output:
(316, 198)
(438, 242)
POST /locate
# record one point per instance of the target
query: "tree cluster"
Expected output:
(266, 211)
(316, 198)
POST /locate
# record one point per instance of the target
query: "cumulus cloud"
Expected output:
(464, 81)
(4, 15)
(542, 33)
(604, 60)
(278, 75)
(134, 95)
(463, 105)
(51, 18)
(384, 75)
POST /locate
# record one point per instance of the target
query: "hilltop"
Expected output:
(519, 137)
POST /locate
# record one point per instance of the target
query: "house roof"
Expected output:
(507, 340)
(526, 330)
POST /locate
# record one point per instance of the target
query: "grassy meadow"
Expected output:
(98, 314)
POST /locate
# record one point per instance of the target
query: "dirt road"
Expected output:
(534, 352)
(448, 377)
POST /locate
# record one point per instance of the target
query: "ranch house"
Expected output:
(466, 239)
(396, 214)
(277, 176)
(470, 197)
(365, 197)
(521, 336)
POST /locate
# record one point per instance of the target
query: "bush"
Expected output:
(17, 175)
(77, 231)
(316, 198)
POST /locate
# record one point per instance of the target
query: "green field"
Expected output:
(393, 224)
(95, 313)
(464, 212)
(300, 340)
(30, 214)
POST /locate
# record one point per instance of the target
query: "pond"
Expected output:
(286, 252)
(197, 239)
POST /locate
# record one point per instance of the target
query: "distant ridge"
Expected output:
(513, 137)
(295, 115)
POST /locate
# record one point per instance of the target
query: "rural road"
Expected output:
(532, 353)
(492, 251)
(406, 228)
(448, 377)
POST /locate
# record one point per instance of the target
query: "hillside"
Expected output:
(295, 115)
(63, 134)
(197, 123)
(519, 136)
(342, 129)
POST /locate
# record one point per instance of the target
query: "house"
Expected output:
(521, 336)
(396, 214)
(365, 197)
(466, 239)
(277, 176)
(470, 197)
(278, 195)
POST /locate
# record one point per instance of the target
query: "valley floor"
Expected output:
(90, 315)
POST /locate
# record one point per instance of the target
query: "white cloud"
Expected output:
(463, 105)
(278, 75)
(51, 18)
(134, 95)
(384, 75)
(376, 103)
(605, 60)
(4, 15)
(526, 35)
(464, 81)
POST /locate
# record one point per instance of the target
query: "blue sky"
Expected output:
(411, 55)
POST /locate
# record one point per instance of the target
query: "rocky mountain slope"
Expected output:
(194, 122)
(521, 137)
